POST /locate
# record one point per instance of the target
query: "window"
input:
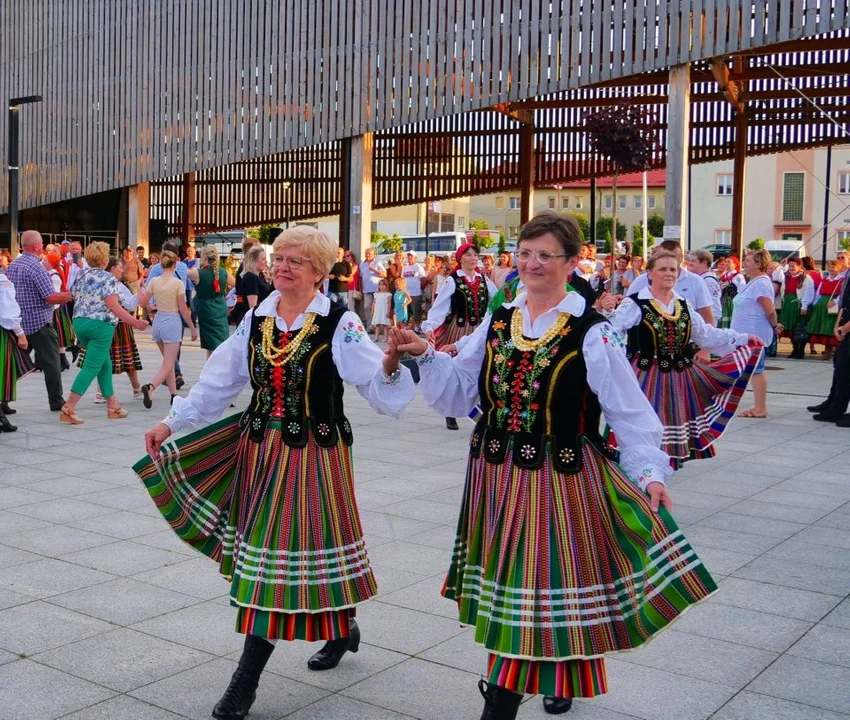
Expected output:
(565, 203)
(622, 202)
(844, 183)
(500, 203)
(796, 237)
(650, 202)
(723, 236)
(608, 202)
(724, 184)
(514, 203)
(461, 221)
(637, 202)
(792, 196)
(551, 203)
(513, 231)
(374, 226)
(578, 205)
(500, 229)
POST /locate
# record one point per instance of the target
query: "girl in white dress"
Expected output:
(381, 311)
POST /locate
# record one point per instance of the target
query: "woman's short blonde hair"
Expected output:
(167, 259)
(97, 254)
(252, 259)
(314, 244)
(762, 258)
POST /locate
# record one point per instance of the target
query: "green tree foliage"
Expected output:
(484, 241)
(479, 224)
(655, 225)
(377, 238)
(603, 229)
(757, 244)
(584, 224)
(391, 244)
(265, 233)
(844, 243)
(637, 234)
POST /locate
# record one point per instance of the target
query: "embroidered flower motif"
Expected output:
(353, 333)
(294, 427)
(427, 357)
(527, 452)
(566, 455)
(611, 337)
(499, 359)
(494, 446)
(565, 331)
(543, 362)
(535, 385)
(475, 438)
(494, 342)
(496, 379)
(240, 331)
(499, 325)
(324, 429)
(314, 329)
(525, 393)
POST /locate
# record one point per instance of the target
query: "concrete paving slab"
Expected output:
(121, 524)
(807, 682)
(38, 626)
(801, 575)
(423, 596)
(343, 708)
(10, 556)
(825, 644)
(206, 626)
(754, 706)
(55, 540)
(403, 630)
(123, 707)
(197, 577)
(48, 577)
(775, 599)
(12, 496)
(125, 558)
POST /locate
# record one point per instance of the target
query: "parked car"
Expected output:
(719, 250)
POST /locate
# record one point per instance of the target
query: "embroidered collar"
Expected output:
(320, 304)
(573, 303)
(646, 294)
(472, 277)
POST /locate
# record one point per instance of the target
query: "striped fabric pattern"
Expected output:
(557, 678)
(124, 352)
(821, 324)
(14, 364)
(789, 314)
(282, 522)
(64, 327)
(450, 332)
(696, 404)
(557, 567)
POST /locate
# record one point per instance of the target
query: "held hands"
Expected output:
(154, 439)
(23, 344)
(658, 495)
(406, 341)
(139, 324)
(449, 349)
(703, 356)
(608, 302)
(755, 340)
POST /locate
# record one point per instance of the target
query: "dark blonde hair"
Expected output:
(658, 256)
(167, 259)
(762, 258)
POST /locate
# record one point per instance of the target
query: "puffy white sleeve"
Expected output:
(492, 288)
(450, 385)
(629, 414)
(221, 380)
(10, 311)
(128, 301)
(716, 340)
(626, 316)
(702, 297)
(808, 293)
(739, 281)
(359, 362)
(442, 305)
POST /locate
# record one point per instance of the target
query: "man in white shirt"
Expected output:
(413, 273)
(699, 263)
(689, 286)
(371, 272)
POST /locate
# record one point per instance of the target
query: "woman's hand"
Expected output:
(778, 329)
(658, 496)
(608, 302)
(755, 340)
(154, 439)
(194, 332)
(449, 349)
(430, 337)
(407, 341)
(23, 343)
(139, 324)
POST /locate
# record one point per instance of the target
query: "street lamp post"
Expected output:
(285, 185)
(14, 170)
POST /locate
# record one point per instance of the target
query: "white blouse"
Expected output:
(450, 386)
(716, 340)
(10, 311)
(442, 305)
(128, 301)
(358, 361)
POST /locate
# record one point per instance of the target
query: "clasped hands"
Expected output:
(400, 342)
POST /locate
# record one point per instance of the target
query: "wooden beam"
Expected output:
(527, 166)
(187, 234)
(678, 154)
(739, 172)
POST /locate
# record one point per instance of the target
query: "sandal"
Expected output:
(69, 417)
(751, 413)
(116, 413)
(146, 395)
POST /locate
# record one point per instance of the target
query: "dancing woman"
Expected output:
(460, 307)
(694, 401)
(562, 555)
(269, 495)
(731, 283)
(825, 310)
(14, 359)
(798, 297)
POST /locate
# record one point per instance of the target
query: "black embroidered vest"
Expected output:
(534, 398)
(303, 395)
(468, 307)
(661, 339)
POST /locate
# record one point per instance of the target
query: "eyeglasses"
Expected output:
(293, 262)
(543, 257)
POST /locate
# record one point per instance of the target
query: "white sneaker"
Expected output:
(99, 399)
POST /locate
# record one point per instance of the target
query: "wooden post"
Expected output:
(527, 163)
(678, 153)
(740, 163)
(188, 231)
(138, 216)
(355, 217)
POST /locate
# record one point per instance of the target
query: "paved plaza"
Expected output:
(104, 614)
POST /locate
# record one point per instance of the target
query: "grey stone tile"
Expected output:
(840, 616)
(459, 652)
(442, 538)
(13, 496)
(38, 626)
(796, 575)
(774, 599)
(10, 599)
(69, 486)
(722, 562)
(392, 526)
(193, 693)
(198, 577)
(121, 498)
(427, 510)
(744, 627)
(777, 511)
(12, 524)
(7, 657)
(717, 661)
(806, 682)
(837, 519)
(122, 524)
(423, 596)
(685, 515)
(167, 540)
(48, 577)
(458, 696)
(781, 529)
(391, 579)
(56, 540)
(73, 466)
(823, 503)
(702, 536)
(754, 706)
(831, 537)
(704, 501)
(826, 644)
(206, 626)
(419, 559)
(403, 630)
(589, 709)
(373, 500)
(10, 556)
(726, 487)
(796, 550)
(343, 708)
(122, 707)
(66, 693)
(125, 558)
(123, 659)
(60, 510)
(124, 601)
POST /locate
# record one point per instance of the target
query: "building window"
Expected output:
(565, 203)
(623, 202)
(500, 203)
(578, 204)
(608, 202)
(722, 236)
(500, 229)
(724, 184)
(842, 235)
(650, 202)
(513, 231)
(514, 203)
(461, 221)
(844, 183)
(792, 196)
(637, 202)
(374, 226)
(551, 202)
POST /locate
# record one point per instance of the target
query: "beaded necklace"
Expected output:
(659, 308)
(279, 356)
(524, 344)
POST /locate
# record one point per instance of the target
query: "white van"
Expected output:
(781, 249)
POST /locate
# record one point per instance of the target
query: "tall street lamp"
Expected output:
(14, 170)
(285, 185)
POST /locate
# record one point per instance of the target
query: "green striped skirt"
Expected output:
(281, 522)
(789, 314)
(554, 571)
(14, 364)
(64, 326)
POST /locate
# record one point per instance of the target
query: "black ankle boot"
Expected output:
(556, 705)
(451, 423)
(63, 362)
(499, 704)
(5, 425)
(6, 410)
(331, 653)
(240, 694)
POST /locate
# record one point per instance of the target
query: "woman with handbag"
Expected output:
(822, 316)
(798, 297)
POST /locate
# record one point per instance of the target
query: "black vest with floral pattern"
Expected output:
(469, 303)
(305, 394)
(536, 402)
(662, 339)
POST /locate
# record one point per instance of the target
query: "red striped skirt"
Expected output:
(14, 364)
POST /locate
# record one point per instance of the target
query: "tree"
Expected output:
(584, 225)
(604, 226)
(265, 234)
(637, 234)
(624, 135)
(844, 243)
(757, 244)
(484, 241)
(479, 224)
(377, 238)
(655, 225)
(391, 245)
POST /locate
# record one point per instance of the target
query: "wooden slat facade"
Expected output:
(137, 91)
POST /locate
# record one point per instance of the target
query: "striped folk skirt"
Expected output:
(789, 314)
(450, 332)
(14, 364)
(281, 522)
(821, 324)
(727, 305)
(64, 326)
(555, 570)
(124, 352)
(696, 404)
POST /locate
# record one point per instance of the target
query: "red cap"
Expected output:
(463, 248)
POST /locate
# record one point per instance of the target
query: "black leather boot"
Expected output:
(242, 691)
(331, 653)
(5, 425)
(4, 407)
(63, 362)
(557, 705)
(451, 423)
(499, 704)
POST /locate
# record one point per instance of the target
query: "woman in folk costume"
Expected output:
(14, 359)
(798, 297)
(824, 312)
(269, 495)
(693, 401)
(731, 282)
(55, 267)
(460, 307)
(562, 555)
